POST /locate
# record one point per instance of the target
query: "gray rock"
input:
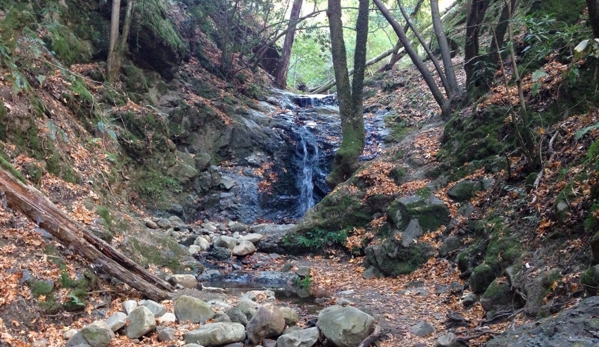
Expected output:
(290, 315)
(194, 249)
(450, 244)
(303, 271)
(372, 272)
(176, 222)
(154, 307)
(267, 322)
(273, 237)
(243, 248)
(97, 334)
(237, 316)
(237, 226)
(411, 233)
(216, 334)
(141, 322)
(129, 305)
(150, 223)
(226, 183)
(187, 281)
(301, 338)
(422, 329)
(469, 299)
(575, 326)
(202, 243)
(252, 237)
(498, 295)
(248, 307)
(220, 253)
(168, 317)
(225, 242)
(166, 334)
(537, 290)
(222, 317)
(481, 278)
(345, 326)
(164, 223)
(446, 340)
(192, 309)
(116, 321)
(464, 190)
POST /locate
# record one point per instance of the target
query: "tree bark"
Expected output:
(476, 14)
(281, 78)
(102, 256)
(112, 63)
(346, 158)
(593, 6)
(454, 89)
(426, 75)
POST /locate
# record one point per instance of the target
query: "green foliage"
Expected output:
(153, 185)
(104, 212)
(303, 283)
(316, 239)
(6, 165)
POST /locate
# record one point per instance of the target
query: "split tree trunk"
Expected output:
(478, 8)
(281, 78)
(102, 256)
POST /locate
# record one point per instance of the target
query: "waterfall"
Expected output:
(307, 158)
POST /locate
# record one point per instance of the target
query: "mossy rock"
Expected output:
(39, 287)
(134, 78)
(480, 279)
(590, 280)
(430, 212)
(153, 248)
(498, 294)
(464, 190)
(393, 259)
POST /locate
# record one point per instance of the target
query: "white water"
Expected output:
(308, 154)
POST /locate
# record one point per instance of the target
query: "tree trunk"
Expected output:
(430, 54)
(112, 61)
(346, 158)
(426, 75)
(476, 14)
(102, 256)
(593, 6)
(454, 89)
(500, 31)
(281, 78)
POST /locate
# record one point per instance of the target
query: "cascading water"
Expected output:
(308, 159)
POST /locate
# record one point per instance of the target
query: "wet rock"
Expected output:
(422, 329)
(154, 307)
(243, 248)
(216, 334)
(141, 322)
(464, 190)
(185, 280)
(345, 326)
(267, 322)
(97, 334)
(575, 326)
(300, 338)
(220, 253)
(192, 309)
(116, 321)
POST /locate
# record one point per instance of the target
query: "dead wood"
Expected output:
(102, 256)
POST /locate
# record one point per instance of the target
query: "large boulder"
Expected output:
(430, 212)
(345, 326)
(392, 258)
(464, 190)
(267, 322)
(576, 326)
(188, 308)
(216, 334)
(97, 334)
(272, 237)
(299, 338)
(244, 248)
(141, 322)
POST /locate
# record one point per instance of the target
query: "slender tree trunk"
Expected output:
(500, 31)
(454, 89)
(476, 14)
(593, 6)
(112, 62)
(426, 75)
(430, 54)
(346, 158)
(281, 78)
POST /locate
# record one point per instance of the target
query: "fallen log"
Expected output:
(102, 256)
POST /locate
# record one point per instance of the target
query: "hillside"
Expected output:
(452, 229)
